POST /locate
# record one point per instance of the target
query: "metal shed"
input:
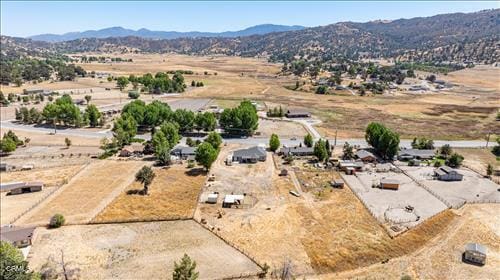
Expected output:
(475, 253)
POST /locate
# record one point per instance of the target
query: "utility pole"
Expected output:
(488, 139)
(335, 142)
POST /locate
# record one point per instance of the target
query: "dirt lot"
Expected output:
(441, 257)
(137, 250)
(173, 194)
(85, 194)
(14, 205)
(472, 188)
(284, 129)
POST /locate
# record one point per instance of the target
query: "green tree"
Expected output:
(489, 170)
(214, 139)
(383, 140)
(185, 119)
(274, 142)
(88, 98)
(57, 221)
(124, 129)
(93, 115)
(11, 257)
(7, 145)
(122, 82)
(145, 176)
(190, 142)
(133, 94)
(321, 90)
(136, 109)
(320, 150)
(206, 155)
(445, 150)
(161, 147)
(242, 120)
(455, 160)
(171, 132)
(347, 151)
(308, 140)
(67, 141)
(185, 270)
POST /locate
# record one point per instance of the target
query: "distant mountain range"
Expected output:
(458, 37)
(149, 34)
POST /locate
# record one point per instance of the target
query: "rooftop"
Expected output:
(250, 152)
(15, 234)
(476, 248)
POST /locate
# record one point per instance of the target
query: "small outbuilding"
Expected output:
(390, 184)
(21, 187)
(4, 167)
(446, 173)
(19, 237)
(475, 253)
(337, 183)
(232, 199)
(350, 167)
(283, 172)
(212, 198)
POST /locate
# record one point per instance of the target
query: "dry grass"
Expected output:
(173, 195)
(85, 194)
(49, 176)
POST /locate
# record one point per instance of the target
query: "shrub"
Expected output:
(57, 221)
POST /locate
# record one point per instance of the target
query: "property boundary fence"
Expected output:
(34, 205)
(361, 200)
(241, 250)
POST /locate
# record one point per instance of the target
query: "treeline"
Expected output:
(63, 112)
(103, 59)
(160, 82)
(21, 70)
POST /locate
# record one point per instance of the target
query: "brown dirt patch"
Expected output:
(173, 195)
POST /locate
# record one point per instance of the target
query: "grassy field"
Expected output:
(136, 251)
(173, 194)
(85, 194)
(55, 176)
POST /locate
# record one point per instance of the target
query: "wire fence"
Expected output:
(34, 205)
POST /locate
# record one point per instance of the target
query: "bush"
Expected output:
(133, 94)
(57, 221)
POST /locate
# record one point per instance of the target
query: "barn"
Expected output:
(446, 173)
(21, 187)
(390, 184)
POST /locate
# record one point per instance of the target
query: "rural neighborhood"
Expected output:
(289, 153)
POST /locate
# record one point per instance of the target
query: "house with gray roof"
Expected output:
(446, 173)
(407, 154)
(297, 151)
(184, 152)
(19, 237)
(297, 114)
(250, 155)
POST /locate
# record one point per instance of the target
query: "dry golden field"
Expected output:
(86, 193)
(50, 177)
(467, 111)
(172, 195)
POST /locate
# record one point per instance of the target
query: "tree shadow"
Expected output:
(136, 192)
(196, 171)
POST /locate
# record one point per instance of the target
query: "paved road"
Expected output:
(248, 141)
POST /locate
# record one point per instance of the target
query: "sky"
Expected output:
(26, 18)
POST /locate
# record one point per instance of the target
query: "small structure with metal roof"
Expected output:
(407, 154)
(232, 199)
(391, 184)
(184, 152)
(475, 253)
(446, 173)
(21, 187)
(297, 151)
(297, 114)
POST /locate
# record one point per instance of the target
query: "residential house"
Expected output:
(184, 152)
(19, 237)
(297, 114)
(408, 154)
(132, 149)
(446, 173)
(297, 151)
(365, 156)
(250, 155)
